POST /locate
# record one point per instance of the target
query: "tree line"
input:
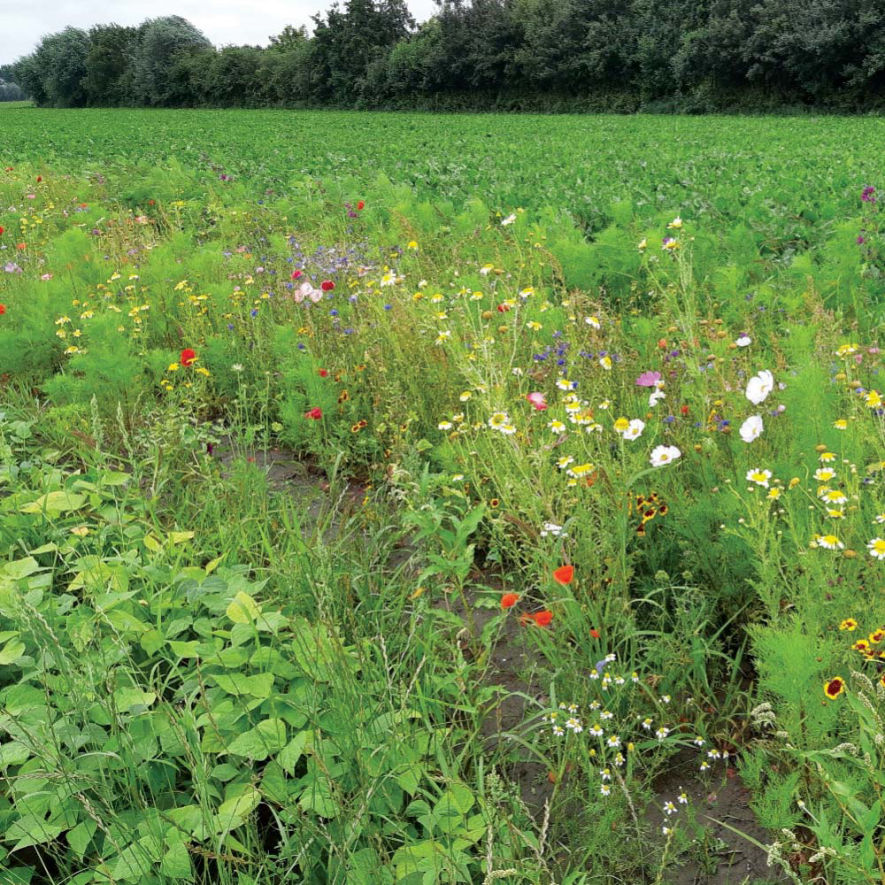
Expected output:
(615, 55)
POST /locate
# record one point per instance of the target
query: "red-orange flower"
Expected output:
(594, 633)
(188, 356)
(327, 285)
(508, 600)
(361, 204)
(564, 574)
(314, 414)
(542, 618)
(2, 309)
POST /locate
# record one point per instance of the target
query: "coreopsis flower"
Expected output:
(752, 428)
(848, 624)
(759, 386)
(834, 687)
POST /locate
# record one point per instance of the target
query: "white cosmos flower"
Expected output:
(508, 220)
(656, 396)
(661, 455)
(759, 386)
(752, 428)
(744, 341)
(634, 429)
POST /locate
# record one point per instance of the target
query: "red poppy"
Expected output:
(188, 356)
(662, 343)
(361, 204)
(314, 414)
(684, 410)
(1, 231)
(594, 633)
(542, 618)
(2, 309)
(21, 246)
(296, 274)
(323, 373)
(503, 308)
(564, 574)
(508, 600)
(39, 178)
(327, 285)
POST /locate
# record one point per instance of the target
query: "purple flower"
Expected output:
(869, 194)
(860, 240)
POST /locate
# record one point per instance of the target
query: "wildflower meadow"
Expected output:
(400, 498)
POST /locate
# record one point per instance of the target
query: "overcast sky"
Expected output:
(24, 22)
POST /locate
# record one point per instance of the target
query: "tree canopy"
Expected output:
(690, 55)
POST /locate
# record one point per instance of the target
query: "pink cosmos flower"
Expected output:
(648, 379)
(537, 400)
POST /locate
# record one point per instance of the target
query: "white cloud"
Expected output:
(224, 22)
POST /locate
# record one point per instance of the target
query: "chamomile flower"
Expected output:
(824, 474)
(760, 477)
(828, 542)
(877, 548)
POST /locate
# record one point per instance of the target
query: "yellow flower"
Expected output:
(412, 245)
(840, 424)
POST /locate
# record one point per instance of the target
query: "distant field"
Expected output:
(803, 171)
(406, 498)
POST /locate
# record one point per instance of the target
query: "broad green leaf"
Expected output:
(176, 862)
(31, 829)
(260, 742)
(12, 651)
(55, 503)
(243, 609)
(80, 837)
(20, 568)
(238, 807)
(293, 751)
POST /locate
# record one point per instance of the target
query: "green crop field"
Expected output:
(430, 499)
